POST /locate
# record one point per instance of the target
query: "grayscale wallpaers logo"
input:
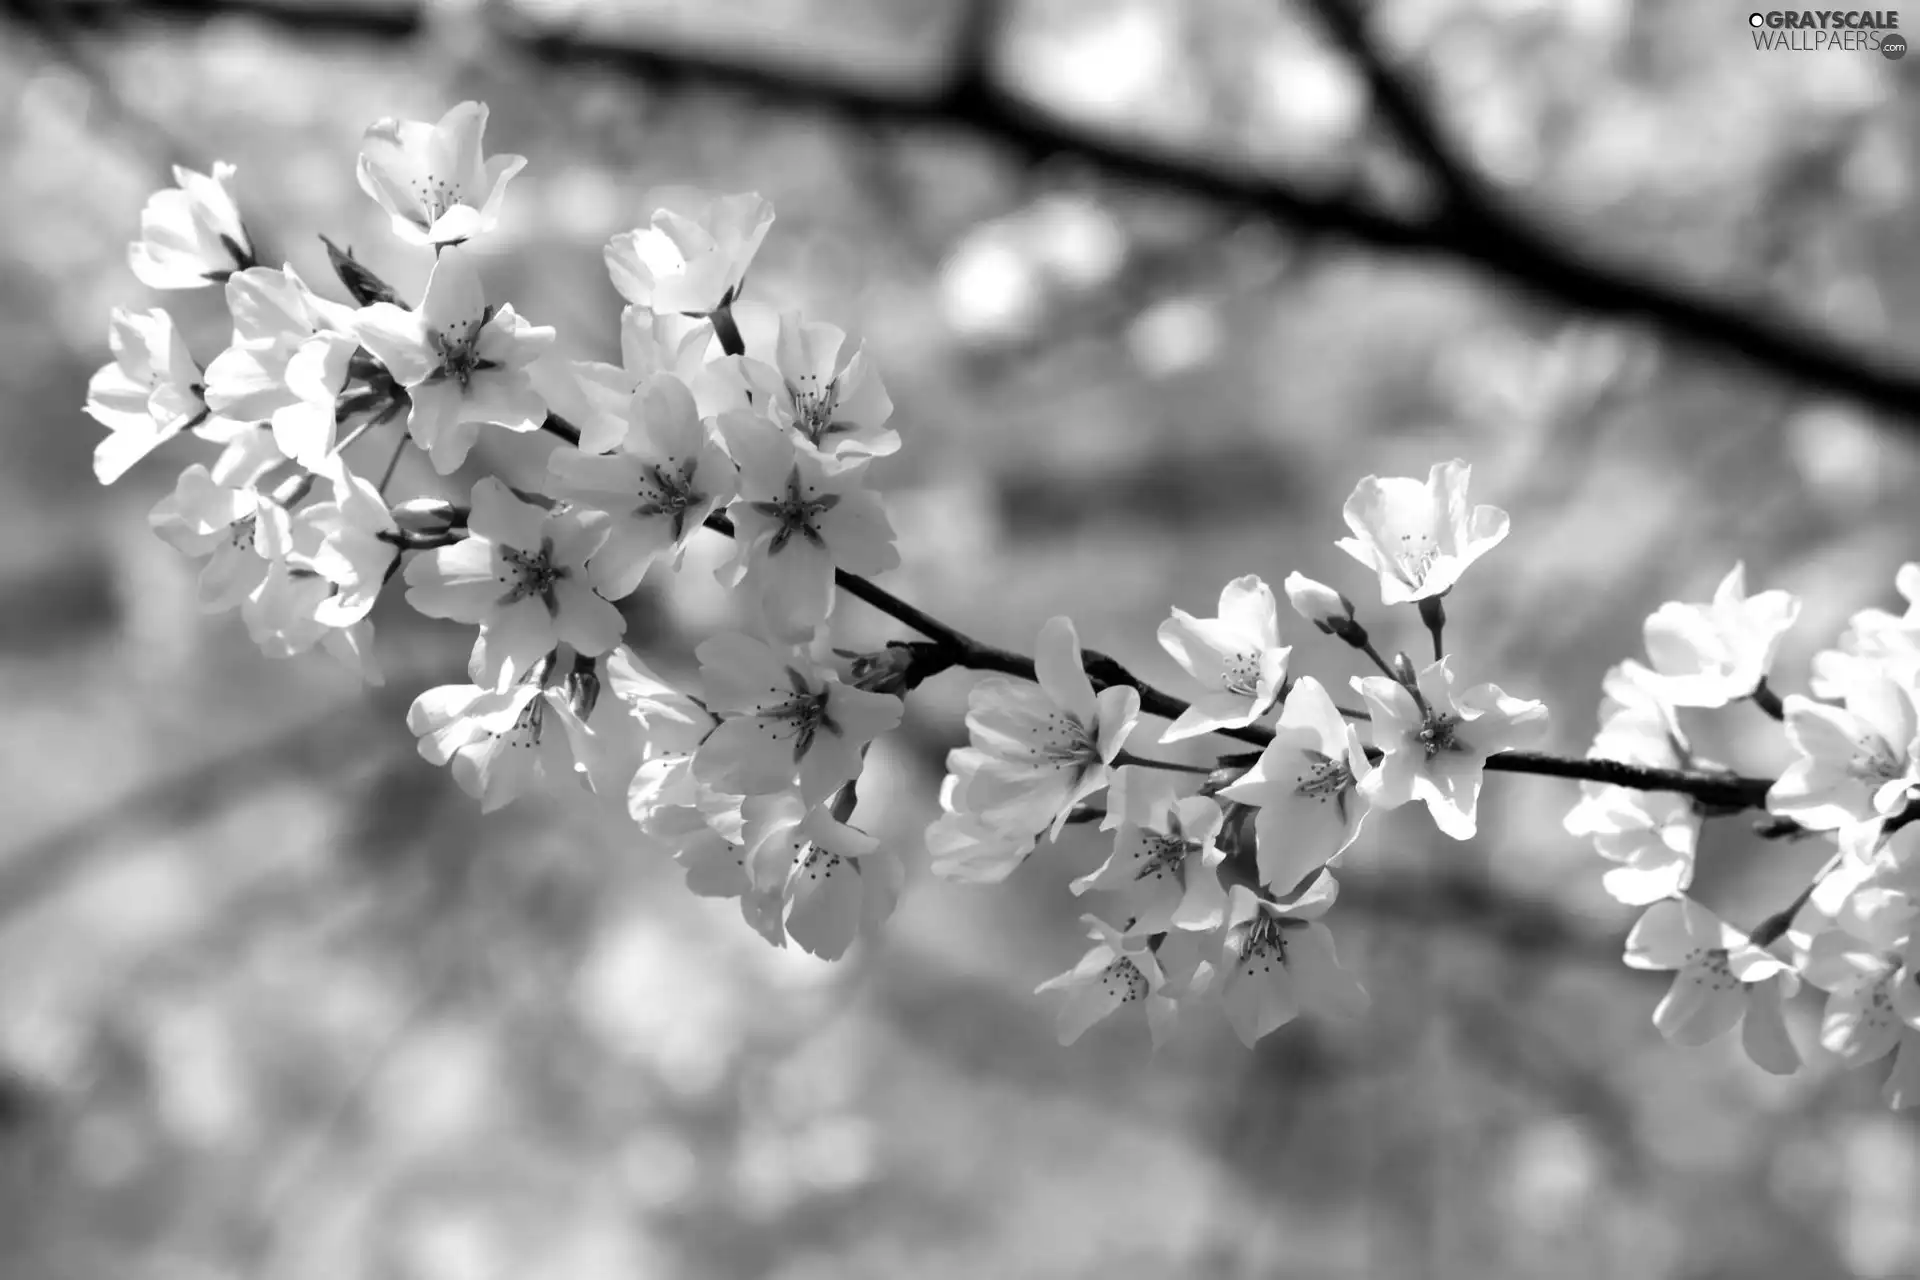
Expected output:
(1820, 30)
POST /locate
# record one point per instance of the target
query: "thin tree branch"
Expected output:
(970, 101)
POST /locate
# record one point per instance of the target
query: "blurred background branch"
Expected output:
(963, 93)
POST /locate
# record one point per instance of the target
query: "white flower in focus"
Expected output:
(1708, 655)
(795, 523)
(1165, 862)
(783, 722)
(1119, 971)
(149, 394)
(500, 743)
(1237, 657)
(238, 531)
(668, 475)
(1436, 748)
(1856, 762)
(1047, 746)
(693, 265)
(522, 576)
(1419, 536)
(1652, 834)
(1720, 979)
(1306, 786)
(813, 382)
(961, 845)
(463, 361)
(190, 234)
(1279, 960)
(433, 179)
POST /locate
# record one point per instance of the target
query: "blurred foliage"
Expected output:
(274, 1001)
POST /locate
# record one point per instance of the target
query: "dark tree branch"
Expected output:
(970, 101)
(1458, 181)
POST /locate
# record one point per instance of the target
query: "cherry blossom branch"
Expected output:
(1726, 792)
(951, 647)
(968, 98)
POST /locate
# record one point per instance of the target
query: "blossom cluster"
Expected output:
(1220, 888)
(1855, 780)
(761, 425)
(722, 413)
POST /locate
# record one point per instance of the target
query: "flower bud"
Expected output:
(897, 668)
(1324, 607)
(583, 686)
(427, 515)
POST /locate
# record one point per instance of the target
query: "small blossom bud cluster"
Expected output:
(1855, 935)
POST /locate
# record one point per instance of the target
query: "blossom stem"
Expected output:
(355, 434)
(1366, 647)
(1767, 700)
(1127, 757)
(1768, 931)
(726, 330)
(393, 462)
(559, 426)
(1434, 614)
